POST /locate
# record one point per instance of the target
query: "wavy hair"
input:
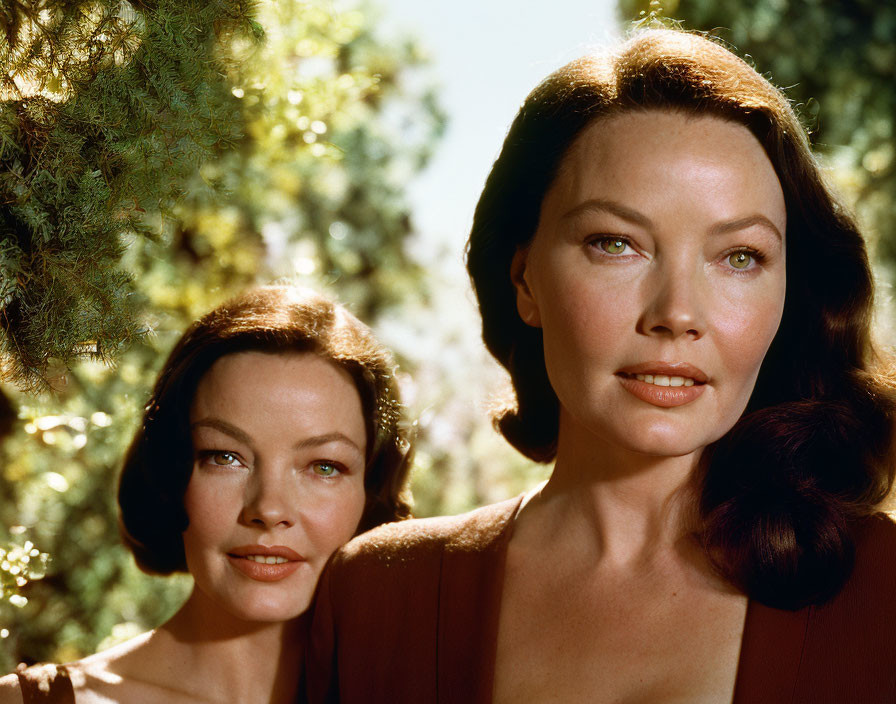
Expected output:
(780, 491)
(159, 461)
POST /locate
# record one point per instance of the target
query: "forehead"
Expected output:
(641, 158)
(270, 391)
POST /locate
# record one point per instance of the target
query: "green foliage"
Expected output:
(836, 62)
(288, 158)
(20, 564)
(57, 491)
(103, 111)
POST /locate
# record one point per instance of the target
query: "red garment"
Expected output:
(409, 613)
(45, 684)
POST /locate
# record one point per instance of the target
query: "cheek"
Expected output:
(586, 314)
(746, 330)
(211, 511)
(332, 520)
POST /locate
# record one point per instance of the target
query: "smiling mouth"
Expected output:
(265, 568)
(266, 559)
(265, 563)
(664, 379)
(663, 390)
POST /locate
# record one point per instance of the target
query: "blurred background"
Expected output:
(158, 156)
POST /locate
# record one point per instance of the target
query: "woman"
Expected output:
(683, 308)
(273, 435)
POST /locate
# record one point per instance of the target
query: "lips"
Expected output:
(664, 384)
(670, 369)
(265, 564)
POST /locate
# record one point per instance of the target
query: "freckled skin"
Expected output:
(677, 186)
(280, 444)
(661, 240)
(264, 487)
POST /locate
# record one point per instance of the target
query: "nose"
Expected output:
(675, 304)
(269, 503)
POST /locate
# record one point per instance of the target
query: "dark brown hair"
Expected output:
(275, 319)
(811, 453)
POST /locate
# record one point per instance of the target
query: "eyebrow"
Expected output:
(224, 427)
(325, 439)
(744, 223)
(608, 206)
(315, 441)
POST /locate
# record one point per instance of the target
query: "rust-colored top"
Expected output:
(409, 613)
(45, 684)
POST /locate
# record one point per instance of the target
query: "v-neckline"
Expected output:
(469, 619)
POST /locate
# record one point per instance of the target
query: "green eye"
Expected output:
(325, 469)
(613, 246)
(740, 260)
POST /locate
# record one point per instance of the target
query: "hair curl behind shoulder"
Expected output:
(783, 489)
(276, 319)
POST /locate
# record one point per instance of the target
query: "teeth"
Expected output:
(663, 380)
(267, 559)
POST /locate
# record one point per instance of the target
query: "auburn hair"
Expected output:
(275, 319)
(780, 491)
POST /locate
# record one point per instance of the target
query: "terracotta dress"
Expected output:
(409, 613)
(46, 684)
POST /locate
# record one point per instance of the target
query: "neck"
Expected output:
(625, 506)
(236, 660)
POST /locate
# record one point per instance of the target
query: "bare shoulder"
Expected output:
(100, 677)
(112, 658)
(147, 669)
(10, 693)
(123, 673)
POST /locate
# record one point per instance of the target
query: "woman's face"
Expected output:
(657, 273)
(278, 480)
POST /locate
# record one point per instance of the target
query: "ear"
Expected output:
(525, 301)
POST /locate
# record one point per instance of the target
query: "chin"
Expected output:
(269, 613)
(266, 608)
(669, 448)
(660, 440)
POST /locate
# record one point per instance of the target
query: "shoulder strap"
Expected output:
(46, 684)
